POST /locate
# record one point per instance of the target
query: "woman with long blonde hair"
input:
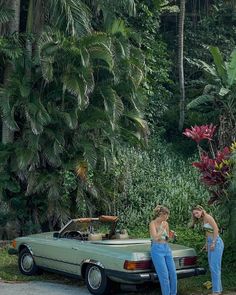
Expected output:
(161, 253)
(214, 245)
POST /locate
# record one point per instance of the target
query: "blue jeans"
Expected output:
(214, 260)
(165, 267)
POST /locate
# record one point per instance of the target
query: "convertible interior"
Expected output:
(93, 229)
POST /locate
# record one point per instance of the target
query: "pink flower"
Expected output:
(198, 133)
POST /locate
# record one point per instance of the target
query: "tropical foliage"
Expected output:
(81, 80)
(72, 97)
(217, 170)
(219, 94)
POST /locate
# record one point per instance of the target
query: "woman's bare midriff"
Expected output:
(209, 235)
(160, 241)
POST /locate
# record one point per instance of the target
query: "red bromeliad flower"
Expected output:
(214, 171)
(198, 133)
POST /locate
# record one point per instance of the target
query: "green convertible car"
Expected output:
(94, 250)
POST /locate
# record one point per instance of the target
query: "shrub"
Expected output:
(156, 176)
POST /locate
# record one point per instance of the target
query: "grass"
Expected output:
(192, 286)
(9, 271)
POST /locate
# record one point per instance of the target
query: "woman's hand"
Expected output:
(212, 246)
(164, 225)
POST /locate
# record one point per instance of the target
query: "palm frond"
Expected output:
(111, 7)
(112, 103)
(118, 27)
(51, 158)
(7, 111)
(102, 52)
(6, 14)
(10, 47)
(24, 157)
(70, 119)
(89, 152)
(72, 14)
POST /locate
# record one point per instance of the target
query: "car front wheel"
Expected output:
(96, 280)
(26, 263)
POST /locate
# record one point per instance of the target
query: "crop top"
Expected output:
(207, 227)
(164, 235)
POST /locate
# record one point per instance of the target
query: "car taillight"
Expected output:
(137, 265)
(188, 261)
(13, 243)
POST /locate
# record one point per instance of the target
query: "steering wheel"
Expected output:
(74, 234)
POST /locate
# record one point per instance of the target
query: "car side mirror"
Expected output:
(56, 235)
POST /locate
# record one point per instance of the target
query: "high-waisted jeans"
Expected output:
(214, 260)
(165, 267)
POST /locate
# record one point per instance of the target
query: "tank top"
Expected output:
(164, 235)
(207, 227)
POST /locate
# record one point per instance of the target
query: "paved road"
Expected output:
(47, 288)
(39, 288)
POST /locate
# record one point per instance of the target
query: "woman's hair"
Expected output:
(160, 210)
(194, 219)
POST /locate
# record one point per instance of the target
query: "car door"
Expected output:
(59, 254)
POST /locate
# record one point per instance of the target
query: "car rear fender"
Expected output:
(23, 246)
(86, 262)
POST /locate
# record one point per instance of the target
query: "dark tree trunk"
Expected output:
(11, 28)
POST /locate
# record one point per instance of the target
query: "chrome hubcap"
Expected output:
(27, 262)
(94, 277)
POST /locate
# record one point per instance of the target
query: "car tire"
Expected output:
(26, 263)
(96, 280)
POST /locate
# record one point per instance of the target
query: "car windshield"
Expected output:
(104, 225)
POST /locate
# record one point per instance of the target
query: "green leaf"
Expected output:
(13, 186)
(223, 91)
(118, 27)
(5, 14)
(200, 100)
(24, 158)
(232, 68)
(219, 63)
(102, 52)
(70, 119)
(203, 65)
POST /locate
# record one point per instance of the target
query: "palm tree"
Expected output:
(11, 27)
(180, 64)
(80, 99)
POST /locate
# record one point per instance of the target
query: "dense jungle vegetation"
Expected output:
(94, 98)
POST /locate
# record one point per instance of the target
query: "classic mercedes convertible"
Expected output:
(94, 250)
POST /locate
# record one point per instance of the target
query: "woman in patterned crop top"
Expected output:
(214, 246)
(161, 253)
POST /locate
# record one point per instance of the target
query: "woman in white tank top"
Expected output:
(214, 246)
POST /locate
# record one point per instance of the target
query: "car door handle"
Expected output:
(75, 248)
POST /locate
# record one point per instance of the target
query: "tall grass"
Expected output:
(157, 176)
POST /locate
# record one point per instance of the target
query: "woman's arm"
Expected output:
(212, 222)
(167, 229)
